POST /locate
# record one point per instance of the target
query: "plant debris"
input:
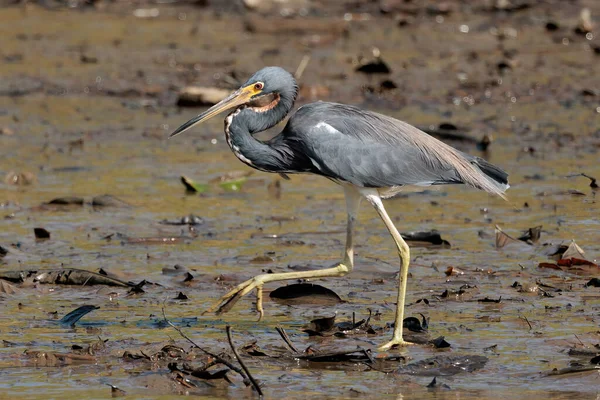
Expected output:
(67, 276)
(305, 293)
(425, 239)
(74, 316)
(41, 233)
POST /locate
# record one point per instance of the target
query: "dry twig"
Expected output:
(235, 353)
(215, 356)
(286, 339)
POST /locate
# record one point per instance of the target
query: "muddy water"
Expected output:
(89, 97)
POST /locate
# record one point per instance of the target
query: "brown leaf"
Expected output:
(7, 288)
(548, 265)
(454, 271)
(568, 262)
(502, 239)
(320, 326)
(532, 235)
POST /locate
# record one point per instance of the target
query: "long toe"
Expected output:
(394, 343)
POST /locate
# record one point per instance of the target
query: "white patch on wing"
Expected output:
(316, 164)
(327, 127)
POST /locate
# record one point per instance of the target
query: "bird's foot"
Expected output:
(395, 342)
(226, 302)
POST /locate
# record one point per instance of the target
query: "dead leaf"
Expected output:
(305, 293)
(67, 276)
(41, 233)
(107, 200)
(532, 235)
(595, 282)
(320, 326)
(425, 239)
(66, 201)
(502, 239)
(116, 392)
(20, 178)
(453, 271)
(7, 288)
(71, 318)
(548, 265)
(573, 251)
(569, 262)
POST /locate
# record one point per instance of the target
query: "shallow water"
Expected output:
(124, 152)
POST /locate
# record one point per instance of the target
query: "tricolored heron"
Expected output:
(370, 155)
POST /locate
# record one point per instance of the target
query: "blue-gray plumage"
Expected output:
(370, 155)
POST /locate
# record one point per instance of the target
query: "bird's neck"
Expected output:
(239, 129)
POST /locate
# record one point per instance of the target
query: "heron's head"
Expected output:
(270, 92)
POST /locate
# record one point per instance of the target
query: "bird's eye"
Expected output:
(259, 86)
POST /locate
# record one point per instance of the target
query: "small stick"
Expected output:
(286, 339)
(593, 183)
(528, 323)
(215, 356)
(367, 354)
(302, 66)
(235, 353)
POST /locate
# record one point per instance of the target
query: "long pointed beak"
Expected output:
(235, 99)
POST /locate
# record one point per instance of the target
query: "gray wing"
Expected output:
(372, 150)
(369, 163)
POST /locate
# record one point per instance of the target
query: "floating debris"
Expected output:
(374, 66)
(67, 201)
(190, 219)
(434, 385)
(20, 178)
(74, 316)
(107, 200)
(568, 258)
(181, 296)
(440, 343)
(116, 392)
(595, 282)
(7, 288)
(425, 239)
(593, 183)
(532, 235)
(66, 276)
(41, 233)
(192, 186)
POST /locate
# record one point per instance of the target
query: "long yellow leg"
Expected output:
(226, 302)
(404, 253)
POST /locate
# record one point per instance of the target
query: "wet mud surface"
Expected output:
(88, 96)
